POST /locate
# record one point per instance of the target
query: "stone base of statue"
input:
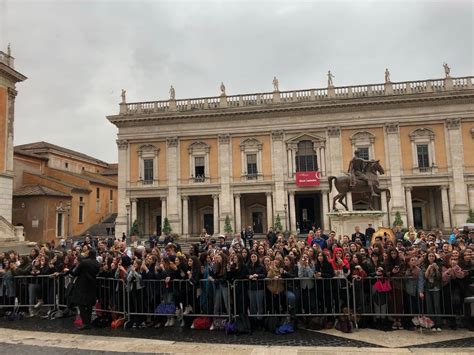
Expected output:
(11, 237)
(344, 222)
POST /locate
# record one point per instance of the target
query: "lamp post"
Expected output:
(127, 206)
(286, 220)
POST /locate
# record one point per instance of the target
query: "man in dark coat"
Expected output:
(84, 293)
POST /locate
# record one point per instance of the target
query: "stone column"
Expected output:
(323, 161)
(383, 202)
(394, 170)
(185, 218)
(433, 223)
(409, 206)
(445, 207)
(471, 196)
(269, 210)
(334, 151)
(215, 199)
(225, 197)
(454, 145)
(349, 201)
(238, 215)
(278, 155)
(147, 217)
(289, 158)
(121, 220)
(163, 210)
(133, 211)
(325, 203)
(172, 159)
(292, 208)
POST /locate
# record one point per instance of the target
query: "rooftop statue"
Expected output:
(275, 84)
(172, 93)
(447, 69)
(330, 77)
(124, 99)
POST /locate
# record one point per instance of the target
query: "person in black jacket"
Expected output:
(84, 293)
(256, 291)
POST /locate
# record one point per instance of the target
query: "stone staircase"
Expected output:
(100, 229)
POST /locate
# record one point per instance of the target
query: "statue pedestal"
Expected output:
(344, 222)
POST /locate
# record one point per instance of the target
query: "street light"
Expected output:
(286, 220)
(127, 206)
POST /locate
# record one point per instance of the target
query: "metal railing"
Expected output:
(296, 297)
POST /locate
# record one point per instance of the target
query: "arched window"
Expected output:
(306, 157)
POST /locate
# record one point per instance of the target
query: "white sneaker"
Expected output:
(39, 304)
(167, 323)
(438, 329)
(171, 323)
(188, 310)
(433, 329)
(192, 326)
(212, 327)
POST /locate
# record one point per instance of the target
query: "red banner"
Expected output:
(308, 178)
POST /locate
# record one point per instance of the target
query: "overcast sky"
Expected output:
(77, 55)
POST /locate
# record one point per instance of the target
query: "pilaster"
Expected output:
(121, 220)
(278, 155)
(225, 198)
(172, 160)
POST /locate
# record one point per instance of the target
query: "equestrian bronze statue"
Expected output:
(362, 178)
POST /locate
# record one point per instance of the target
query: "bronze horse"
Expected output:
(343, 185)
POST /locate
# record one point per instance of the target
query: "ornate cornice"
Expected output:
(453, 123)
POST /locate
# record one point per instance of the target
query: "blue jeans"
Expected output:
(256, 302)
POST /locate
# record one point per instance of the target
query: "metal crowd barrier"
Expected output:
(28, 293)
(297, 297)
(403, 299)
(183, 297)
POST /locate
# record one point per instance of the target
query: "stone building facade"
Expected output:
(196, 161)
(8, 79)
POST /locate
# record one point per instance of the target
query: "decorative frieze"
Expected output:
(334, 132)
(391, 128)
(172, 141)
(453, 123)
(122, 144)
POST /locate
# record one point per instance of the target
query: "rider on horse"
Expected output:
(357, 171)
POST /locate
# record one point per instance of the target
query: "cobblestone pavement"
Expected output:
(35, 350)
(301, 338)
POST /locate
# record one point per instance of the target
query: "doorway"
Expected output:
(308, 211)
(418, 217)
(209, 223)
(257, 222)
(158, 225)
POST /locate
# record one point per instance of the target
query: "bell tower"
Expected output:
(8, 79)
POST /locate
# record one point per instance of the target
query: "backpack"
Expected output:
(219, 323)
(243, 324)
(286, 328)
(230, 328)
(203, 323)
(316, 323)
(165, 308)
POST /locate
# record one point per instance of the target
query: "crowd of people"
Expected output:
(318, 277)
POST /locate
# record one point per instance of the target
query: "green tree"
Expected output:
(398, 220)
(227, 225)
(278, 226)
(134, 230)
(166, 226)
(471, 217)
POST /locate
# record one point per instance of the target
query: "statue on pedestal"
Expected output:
(387, 75)
(362, 177)
(330, 77)
(447, 69)
(222, 89)
(124, 99)
(275, 84)
(172, 93)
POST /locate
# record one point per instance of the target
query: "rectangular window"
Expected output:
(252, 165)
(81, 213)
(97, 193)
(199, 169)
(364, 153)
(66, 165)
(306, 163)
(59, 225)
(111, 195)
(148, 171)
(423, 156)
